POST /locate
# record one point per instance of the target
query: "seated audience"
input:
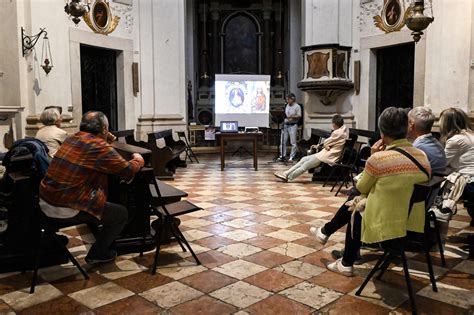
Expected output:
(51, 134)
(330, 153)
(74, 188)
(420, 122)
(387, 180)
(456, 132)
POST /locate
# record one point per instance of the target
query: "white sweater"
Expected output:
(459, 151)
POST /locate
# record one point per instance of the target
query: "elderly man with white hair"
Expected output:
(51, 134)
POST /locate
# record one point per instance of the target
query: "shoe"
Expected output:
(290, 160)
(338, 267)
(91, 260)
(281, 159)
(318, 233)
(281, 176)
(337, 254)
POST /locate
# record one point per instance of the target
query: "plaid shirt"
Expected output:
(77, 176)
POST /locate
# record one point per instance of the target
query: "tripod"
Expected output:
(278, 116)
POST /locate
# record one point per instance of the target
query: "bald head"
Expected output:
(94, 122)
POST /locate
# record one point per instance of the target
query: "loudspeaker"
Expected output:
(205, 116)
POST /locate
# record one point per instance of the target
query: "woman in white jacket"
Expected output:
(332, 148)
(458, 136)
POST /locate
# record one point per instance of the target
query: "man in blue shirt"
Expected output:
(420, 122)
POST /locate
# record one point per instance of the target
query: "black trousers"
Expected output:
(113, 221)
(342, 216)
(352, 243)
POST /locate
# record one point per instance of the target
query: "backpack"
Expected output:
(444, 205)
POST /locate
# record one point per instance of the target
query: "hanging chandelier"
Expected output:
(418, 21)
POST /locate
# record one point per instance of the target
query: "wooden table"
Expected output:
(239, 136)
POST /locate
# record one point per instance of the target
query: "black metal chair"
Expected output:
(189, 151)
(347, 157)
(396, 247)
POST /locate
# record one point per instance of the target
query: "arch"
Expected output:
(241, 43)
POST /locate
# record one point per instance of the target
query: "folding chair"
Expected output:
(166, 213)
(396, 247)
(347, 155)
(189, 152)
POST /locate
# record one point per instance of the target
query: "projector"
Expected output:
(251, 129)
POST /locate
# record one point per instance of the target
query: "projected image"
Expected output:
(242, 97)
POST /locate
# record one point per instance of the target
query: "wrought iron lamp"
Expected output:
(418, 22)
(29, 42)
(76, 8)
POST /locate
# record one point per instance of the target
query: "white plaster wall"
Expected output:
(168, 53)
(448, 47)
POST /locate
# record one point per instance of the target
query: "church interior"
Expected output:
(212, 125)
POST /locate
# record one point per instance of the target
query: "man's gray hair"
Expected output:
(50, 116)
(423, 118)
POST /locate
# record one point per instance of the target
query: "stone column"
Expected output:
(215, 15)
(168, 76)
(267, 59)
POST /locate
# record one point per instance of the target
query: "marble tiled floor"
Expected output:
(257, 258)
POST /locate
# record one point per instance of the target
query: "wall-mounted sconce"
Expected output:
(76, 8)
(418, 22)
(29, 42)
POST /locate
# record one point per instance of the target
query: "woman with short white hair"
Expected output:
(51, 134)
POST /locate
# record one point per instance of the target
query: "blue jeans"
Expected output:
(288, 131)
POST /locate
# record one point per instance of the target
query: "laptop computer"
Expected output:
(229, 126)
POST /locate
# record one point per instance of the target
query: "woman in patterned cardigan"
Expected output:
(388, 180)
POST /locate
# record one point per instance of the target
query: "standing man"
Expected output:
(74, 190)
(290, 128)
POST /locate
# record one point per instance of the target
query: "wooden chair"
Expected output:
(129, 136)
(23, 205)
(165, 159)
(166, 213)
(396, 247)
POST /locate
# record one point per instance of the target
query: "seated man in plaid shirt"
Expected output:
(74, 189)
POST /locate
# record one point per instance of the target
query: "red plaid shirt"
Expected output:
(77, 176)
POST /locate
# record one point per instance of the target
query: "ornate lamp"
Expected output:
(418, 22)
(29, 42)
(76, 8)
(46, 56)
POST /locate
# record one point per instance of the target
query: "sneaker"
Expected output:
(318, 233)
(281, 176)
(290, 160)
(91, 260)
(338, 267)
(337, 254)
(281, 159)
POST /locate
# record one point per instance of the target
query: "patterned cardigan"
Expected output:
(389, 179)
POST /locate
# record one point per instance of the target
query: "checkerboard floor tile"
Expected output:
(257, 257)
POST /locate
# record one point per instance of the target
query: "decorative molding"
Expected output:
(393, 16)
(100, 18)
(317, 65)
(126, 14)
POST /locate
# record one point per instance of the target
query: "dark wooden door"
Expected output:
(99, 82)
(395, 73)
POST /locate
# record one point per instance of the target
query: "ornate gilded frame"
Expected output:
(393, 16)
(100, 18)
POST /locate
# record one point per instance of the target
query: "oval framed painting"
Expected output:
(101, 15)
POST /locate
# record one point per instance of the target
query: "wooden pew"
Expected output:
(129, 136)
(316, 137)
(165, 160)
